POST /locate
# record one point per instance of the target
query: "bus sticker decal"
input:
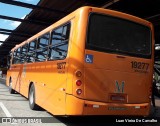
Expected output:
(119, 87)
(140, 66)
(61, 65)
(89, 58)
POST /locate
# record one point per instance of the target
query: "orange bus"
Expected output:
(92, 62)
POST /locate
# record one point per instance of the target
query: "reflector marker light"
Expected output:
(95, 106)
(78, 73)
(78, 82)
(92, 106)
(137, 107)
(140, 107)
(79, 91)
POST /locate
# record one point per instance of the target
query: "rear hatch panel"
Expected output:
(112, 74)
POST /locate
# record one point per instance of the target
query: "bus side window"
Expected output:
(42, 48)
(59, 43)
(14, 57)
(57, 36)
(65, 33)
(31, 52)
(24, 53)
(18, 58)
(9, 62)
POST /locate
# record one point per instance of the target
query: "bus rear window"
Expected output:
(115, 35)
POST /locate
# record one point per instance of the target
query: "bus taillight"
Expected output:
(78, 74)
(79, 91)
(78, 82)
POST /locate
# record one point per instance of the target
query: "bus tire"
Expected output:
(11, 90)
(32, 98)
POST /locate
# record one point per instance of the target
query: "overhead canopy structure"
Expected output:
(46, 12)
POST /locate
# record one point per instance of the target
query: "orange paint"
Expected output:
(109, 73)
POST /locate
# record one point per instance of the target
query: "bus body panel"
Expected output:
(49, 79)
(109, 72)
(107, 75)
(86, 107)
(16, 73)
(50, 85)
(77, 51)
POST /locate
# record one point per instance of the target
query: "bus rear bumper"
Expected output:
(76, 106)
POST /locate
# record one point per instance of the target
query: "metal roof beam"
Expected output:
(16, 34)
(3, 56)
(3, 50)
(6, 30)
(8, 44)
(109, 3)
(24, 20)
(10, 41)
(153, 16)
(7, 47)
(10, 32)
(31, 6)
(1, 41)
(95, 2)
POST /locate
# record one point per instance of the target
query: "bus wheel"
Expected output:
(32, 103)
(11, 90)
